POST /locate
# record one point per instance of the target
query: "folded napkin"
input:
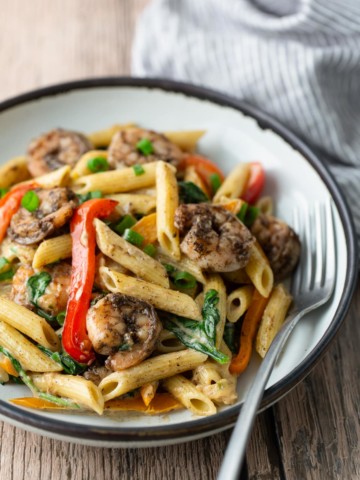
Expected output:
(298, 60)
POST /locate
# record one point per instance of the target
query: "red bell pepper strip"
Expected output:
(74, 337)
(256, 183)
(204, 168)
(10, 204)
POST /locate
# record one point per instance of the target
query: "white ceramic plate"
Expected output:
(235, 132)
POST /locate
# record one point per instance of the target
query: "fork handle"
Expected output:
(235, 452)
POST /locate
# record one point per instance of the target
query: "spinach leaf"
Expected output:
(62, 358)
(37, 285)
(29, 383)
(191, 193)
(200, 336)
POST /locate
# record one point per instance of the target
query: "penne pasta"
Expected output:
(259, 271)
(167, 201)
(14, 171)
(272, 319)
(216, 382)
(102, 138)
(238, 302)
(134, 203)
(234, 184)
(186, 139)
(57, 178)
(185, 264)
(74, 388)
(129, 256)
(81, 167)
(168, 342)
(29, 356)
(52, 250)
(187, 394)
(160, 297)
(29, 323)
(153, 369)
(148, 392)
(117, 181)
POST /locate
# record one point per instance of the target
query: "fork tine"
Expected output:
(330, 274)
(320, 227)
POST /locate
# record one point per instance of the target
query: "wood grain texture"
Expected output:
(313, 433)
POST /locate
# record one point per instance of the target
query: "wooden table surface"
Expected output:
(313, 433)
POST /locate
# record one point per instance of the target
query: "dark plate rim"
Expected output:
(226, 418)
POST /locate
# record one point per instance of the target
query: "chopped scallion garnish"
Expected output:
(3, 192)
(150, 249)
(184, 280)
(8, 275)
(30, 201)
(98, 164)
(60, 318)
(138, 170)
(248, 214)
(3, 262)
(215, 181)
(133, 237)
(126, 222)
(145, 147)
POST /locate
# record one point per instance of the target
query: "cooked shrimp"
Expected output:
(124, 328)
(213, 237)
(279, 242)
(123, 150)
(56, 294)
(55, 149)
(55, 209)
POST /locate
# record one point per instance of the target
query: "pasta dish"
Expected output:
(135, 276)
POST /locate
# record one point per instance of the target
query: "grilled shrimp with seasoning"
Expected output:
(213, 237)
(279, 242)
(55, 149)
(56, 294)
(55, 209)
(124, 328)
(123, 150)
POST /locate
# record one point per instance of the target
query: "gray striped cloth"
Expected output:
(298, 60)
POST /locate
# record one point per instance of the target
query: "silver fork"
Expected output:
(312, 286)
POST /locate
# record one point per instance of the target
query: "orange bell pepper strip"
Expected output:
(204, 168)
(10, 204)
(249, 329)
(74, 338)
(146, 227)
(6, 364)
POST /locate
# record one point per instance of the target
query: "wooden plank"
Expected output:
(318, 423)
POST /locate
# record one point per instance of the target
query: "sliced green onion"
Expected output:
(251, 215)
(7, 275)
(3, 192)
(126, 222)
(242, 212)
(215, 181)
(30, 201)
(145, 147)
(95, 194)
(248, 214)
(138, 170)
(184, 280)
(98, 164)
(133, 237)
(150, 249)
(3, 262)
(169, 268)
(89, 195)
(60, 318)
